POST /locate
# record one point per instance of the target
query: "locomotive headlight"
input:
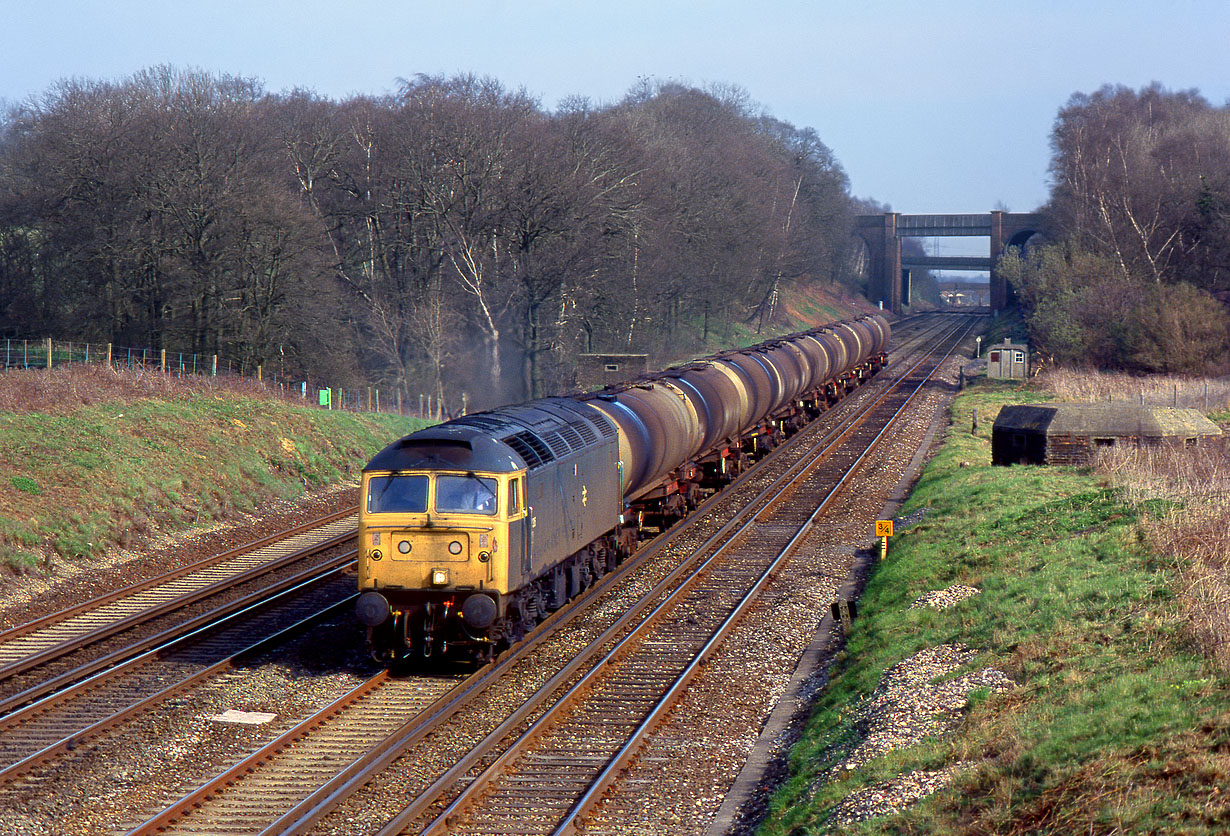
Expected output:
(439, 577)
(376, 555)
(454, 547)
(404, 547)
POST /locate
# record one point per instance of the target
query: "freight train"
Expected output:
(474, 530)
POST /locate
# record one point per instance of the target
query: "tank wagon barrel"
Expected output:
(691, 412)
(471, 531)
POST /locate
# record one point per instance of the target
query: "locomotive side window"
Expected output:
(465, 494)
(397, 494)
(514, 496)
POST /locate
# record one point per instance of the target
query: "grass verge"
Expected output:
(1117, 723)
(77, 480)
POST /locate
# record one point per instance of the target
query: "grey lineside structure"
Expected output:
(1070, 433)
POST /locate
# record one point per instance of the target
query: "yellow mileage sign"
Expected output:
(884, 530)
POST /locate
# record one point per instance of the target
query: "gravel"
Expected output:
(115, 781)
(886, 797)
(908, 706)
(942, 599)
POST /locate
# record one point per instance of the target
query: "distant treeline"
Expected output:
(454, 236)
(1141, 276)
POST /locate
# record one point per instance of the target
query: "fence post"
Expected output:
(214, 368)
(49, 352)
(259, 369)
(108, 355)
(377, 400)
(304, 390)
(162, 362)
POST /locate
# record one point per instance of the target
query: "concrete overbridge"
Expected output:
(883, 233)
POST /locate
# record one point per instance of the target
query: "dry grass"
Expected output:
(1209, 394)
(60, 391)
(1193, 531)
(1193, 486)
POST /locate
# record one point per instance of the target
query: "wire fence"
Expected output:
(48, 354)
(1207, 394)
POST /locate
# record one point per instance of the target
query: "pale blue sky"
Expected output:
(930, 106)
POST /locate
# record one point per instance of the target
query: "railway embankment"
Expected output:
(1035, 655)
(94, 462)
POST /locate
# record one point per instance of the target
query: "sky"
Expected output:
(939, 106)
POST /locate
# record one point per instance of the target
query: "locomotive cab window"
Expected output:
(397, 494)
(514, 496)
(466, 494)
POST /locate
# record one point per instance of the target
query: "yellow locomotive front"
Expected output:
(440, 519)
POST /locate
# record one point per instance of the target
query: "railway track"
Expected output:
(558, 768)
(431, 753)
(79, 713)
(48, 654)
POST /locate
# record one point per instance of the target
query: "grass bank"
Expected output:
(1118, 722)
(91, 459)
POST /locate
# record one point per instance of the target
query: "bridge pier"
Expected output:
(884, 249)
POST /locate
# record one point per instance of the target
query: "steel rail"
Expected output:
(573, 820)
(146, 614)
(96, 728)
(94, 603)
(446, 820)
(61, 683)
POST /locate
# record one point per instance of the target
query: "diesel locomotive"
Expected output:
(474, 530)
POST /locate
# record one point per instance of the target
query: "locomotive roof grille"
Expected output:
(572, 437)
(482, 422)
(585, 431)
(605, 427)
(559, 446)
(531, 448)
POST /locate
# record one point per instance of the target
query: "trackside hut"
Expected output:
(1070, 433)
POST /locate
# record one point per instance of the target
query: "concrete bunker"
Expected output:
(1070, 433)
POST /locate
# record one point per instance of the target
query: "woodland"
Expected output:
(1136, 274)
(454, 235)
